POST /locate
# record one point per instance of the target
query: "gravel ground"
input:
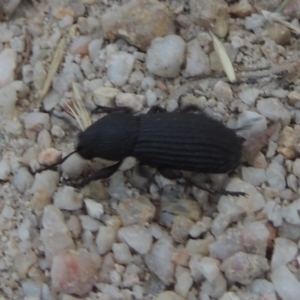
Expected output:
(126, 238)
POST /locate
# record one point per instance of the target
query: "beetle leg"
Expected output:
(100, 174)
(106, 109)
(214, 191)
(156, 109)
(144, 172)
(170, 174)
(173, 174)
(190, 108)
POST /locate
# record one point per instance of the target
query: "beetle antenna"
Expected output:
(57, 163)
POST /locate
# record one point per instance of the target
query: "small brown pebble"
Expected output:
(62, 12)
(39, 200)
(81, 45)
(242, 9)
(181, 257)
(49, 156)
(280, 34)
(260, 161)
(74, 272)
(162, 86)
(286, 142)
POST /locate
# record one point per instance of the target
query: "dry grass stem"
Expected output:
(224, 58)
(57, 59)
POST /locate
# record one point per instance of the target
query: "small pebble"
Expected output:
(105, 96)
(286, 142)
(222, 91)
(254, 21)
(80, 45)
(249, 96)
(24, 262)
(122, 253)
(210, 268)
(161, 255)
(57, 131)
(8, 63)
(273, 109)
(197, 61)
(4, 170)
(184, 281)
(285, 283)
(180, 229)
(39, 200)
(230, 296)
(44, 139)
(136, 211)
(39, 75)
(200, 246)
(284, 251)
(105, 238)
(151, 98)
(8, 99)
(254, 176)
(47, 181)
(165, 56)
(252, 238)
(89, 224)
(216, 288)
(204, 13)
(279, 33)
(169, 296)
(22, 180)
(290, 212)
(147, 83)
(7, 212)
(36, 121)
(74, 226)
(74, 166)
(94, 48)
(183, 207)
(74, 272)
(276, 176)
(243, 268)
(234, 206)
(135, 102)
(94, 209)
(137, 237)
(263, 288)
(119, 66)
(67, 198)
(31, 289)
(49, 156)
(55, 235)
(274, 212)
(138, 22)
(241, 9)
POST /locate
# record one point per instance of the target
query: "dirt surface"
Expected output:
(126, 237)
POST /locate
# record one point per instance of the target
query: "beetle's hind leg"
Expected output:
(214, 191)
(109, 110)
(100, 174)
(173, 175)
(189, 108)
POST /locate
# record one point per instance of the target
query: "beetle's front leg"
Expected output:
(100, 174)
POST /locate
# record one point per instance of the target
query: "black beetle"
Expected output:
(168, 141)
